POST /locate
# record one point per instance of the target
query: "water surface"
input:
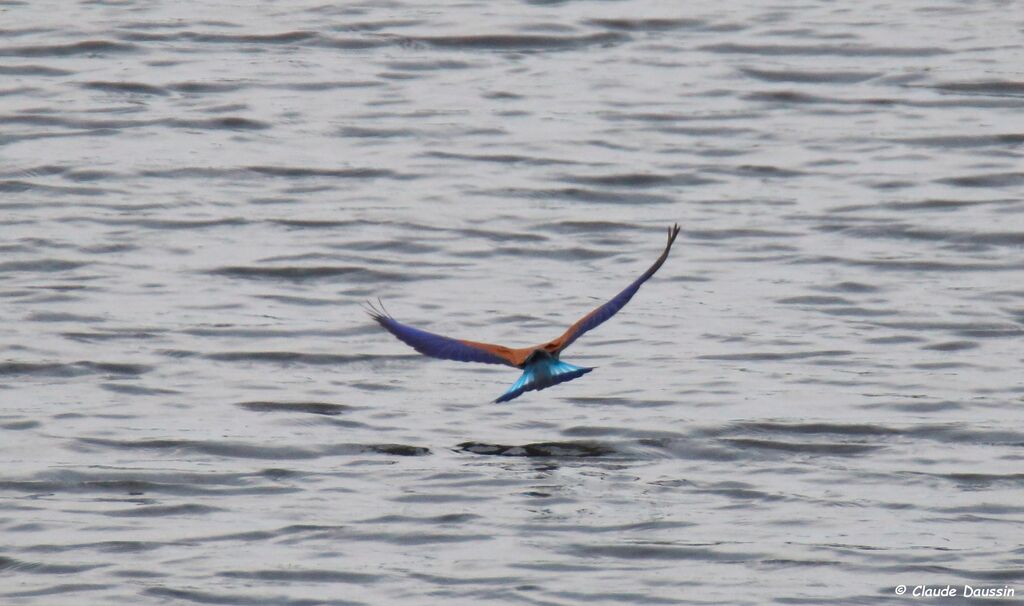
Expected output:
(818, 397)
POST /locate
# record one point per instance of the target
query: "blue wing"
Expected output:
(437, 346)
(597, 317)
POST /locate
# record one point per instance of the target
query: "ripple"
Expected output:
(579, 194)
(499, 158)
(297, 172)
(154, 511)
(76, 369)
(40, 266)
(64, 317)
(655, 551)
(292, 357)
(146, 482)
(653, 24)
(845, 50)
(222, 123)
(982, 480)
(33, 70)
(913, 265)
(19, 425)
(245, 450)
(952, 346)
(135, 88)
(776, 356)
(985, 87)
(730, 234)
(519, 42)
(966, 141)
(910, 232)
(853, 429)
(22, 566)
(115, 124)
(639, 180)
(359, 275)
(809, 77)
(206, 597)
(112, 335)
(317, 408)
(541, 449)
(87, 47)
(303, 576)
(994, 180)
(376, 133)
(828, 449)
(62, 588)
(813, 300)
(16, 186)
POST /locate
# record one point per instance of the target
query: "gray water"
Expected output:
(818, 398)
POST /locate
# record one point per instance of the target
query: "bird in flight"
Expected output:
(540, 364)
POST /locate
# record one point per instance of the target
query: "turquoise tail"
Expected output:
(542, 373)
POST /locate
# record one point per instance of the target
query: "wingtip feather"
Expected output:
(379, 315)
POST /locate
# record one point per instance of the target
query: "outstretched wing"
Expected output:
(609, 309)
(437, 346)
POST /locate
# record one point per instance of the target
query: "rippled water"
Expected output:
(818, 397)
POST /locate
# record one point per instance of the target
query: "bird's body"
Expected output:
(540, 363)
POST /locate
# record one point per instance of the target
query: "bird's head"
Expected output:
(539, 354)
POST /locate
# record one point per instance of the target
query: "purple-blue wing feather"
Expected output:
(602, 314)
(598, 316)
(437, 346)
